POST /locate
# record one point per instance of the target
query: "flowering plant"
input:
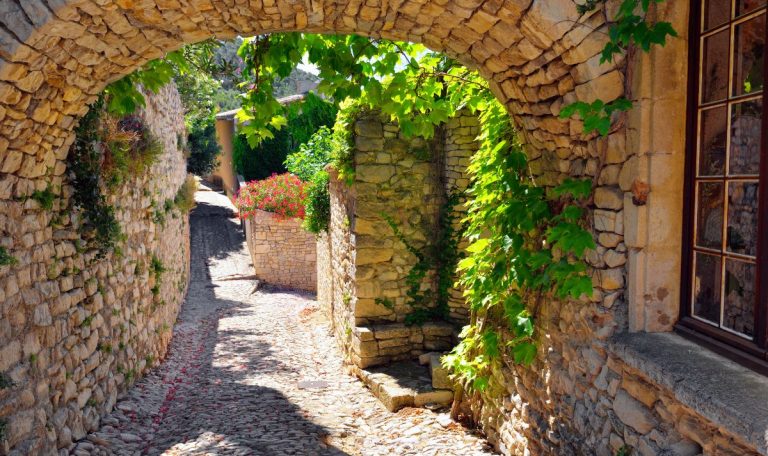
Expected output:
(282, 194)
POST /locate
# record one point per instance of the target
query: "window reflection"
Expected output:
(715, 67)
(716, 13)
(742, 6)
(746, 134)
(739, 311)
(706, 287)
(748, 51)
(712, 137)
(709, 223)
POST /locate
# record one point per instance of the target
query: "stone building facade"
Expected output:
(75, 330)
(601, 361)
(282, 252)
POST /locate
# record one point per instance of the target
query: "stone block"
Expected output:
(440, 378)
(633, 413)
(373, 255)
(609, 198)
(366, 348)
(394, 398)
(363, 333)
(439, 397)
(640, 390)
(437, 329)
(393, 331)
(10, 354)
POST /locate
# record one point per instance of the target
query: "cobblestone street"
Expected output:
(257, 373)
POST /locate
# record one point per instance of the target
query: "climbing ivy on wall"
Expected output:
(84, 163)
(440, 258)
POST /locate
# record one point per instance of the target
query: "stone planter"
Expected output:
(282, 252)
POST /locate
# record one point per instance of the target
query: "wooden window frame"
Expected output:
(753, 354)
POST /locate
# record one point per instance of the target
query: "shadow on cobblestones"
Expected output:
(232, 381)
(214, 405)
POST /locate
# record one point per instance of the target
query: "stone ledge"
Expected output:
(724, 392)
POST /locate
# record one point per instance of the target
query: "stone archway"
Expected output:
(57, 55)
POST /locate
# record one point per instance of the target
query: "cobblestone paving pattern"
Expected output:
(230, 383)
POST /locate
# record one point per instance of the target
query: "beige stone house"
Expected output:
(669, 357)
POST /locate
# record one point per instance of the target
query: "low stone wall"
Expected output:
(283, 253)
(382, 344)
(76, 330)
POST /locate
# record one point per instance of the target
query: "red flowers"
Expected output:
(282, 194)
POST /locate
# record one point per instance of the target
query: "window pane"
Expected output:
(748, 51)
(716, 12)
(739, 310)
(709, 217)
(747, 6)
(706, 287)
(746, 133)
(712, 137)
(714, 68)
(742, 218)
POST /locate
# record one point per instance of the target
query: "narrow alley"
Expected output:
(258, 373)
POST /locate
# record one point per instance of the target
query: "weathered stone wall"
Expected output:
(341, 243)
(324, 273)
(406, 179)
(398, 178)
(459, 144)
(283, 253)
(76, 331)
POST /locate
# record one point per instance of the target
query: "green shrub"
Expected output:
(203, 145)
(268, 157)
(313, 155)
(317, 205)
(44, 198)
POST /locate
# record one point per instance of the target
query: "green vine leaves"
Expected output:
(628, 29)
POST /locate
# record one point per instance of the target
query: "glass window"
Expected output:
(727, 150)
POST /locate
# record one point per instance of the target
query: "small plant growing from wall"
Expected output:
(6, 259)
(185, 197)
(131, 149)
(44, 197)
(156, 268)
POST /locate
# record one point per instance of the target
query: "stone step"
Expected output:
(404, 384)
(439, 374)
(385, 343)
